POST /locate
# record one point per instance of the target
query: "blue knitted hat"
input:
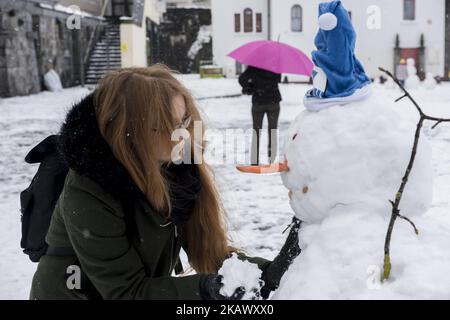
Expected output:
(337, 72)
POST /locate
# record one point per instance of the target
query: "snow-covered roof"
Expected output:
(68, 10)
(189, 5)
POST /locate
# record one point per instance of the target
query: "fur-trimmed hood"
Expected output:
(86, 151)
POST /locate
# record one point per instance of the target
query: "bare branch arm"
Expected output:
(398, 197)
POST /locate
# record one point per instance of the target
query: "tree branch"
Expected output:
(398, 197)
(403, 89)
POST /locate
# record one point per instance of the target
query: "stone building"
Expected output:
(34, 36)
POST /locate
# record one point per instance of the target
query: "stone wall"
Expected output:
(18, 65)
(57, 45)
(31, 40)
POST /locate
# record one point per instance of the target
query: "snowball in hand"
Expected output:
(353, 157)
(237, 273)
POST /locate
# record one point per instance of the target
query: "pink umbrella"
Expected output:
(273, 56)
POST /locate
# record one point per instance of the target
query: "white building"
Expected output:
(377, 23)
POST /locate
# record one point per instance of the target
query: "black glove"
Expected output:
(274, 271)
(210, 286)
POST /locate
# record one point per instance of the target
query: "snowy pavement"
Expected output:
(257, 206)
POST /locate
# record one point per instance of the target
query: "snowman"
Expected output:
(430, 82)
(413, 81)
(344, 160)
(357, 146)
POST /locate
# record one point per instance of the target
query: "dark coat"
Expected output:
(262, 85)
(124, 248)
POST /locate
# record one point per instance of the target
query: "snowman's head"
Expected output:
(352, 158)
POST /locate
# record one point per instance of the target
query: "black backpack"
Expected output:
(38, 201)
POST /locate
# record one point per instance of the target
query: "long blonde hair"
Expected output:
(135, 116)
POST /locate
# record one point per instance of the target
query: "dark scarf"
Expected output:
(184, 188)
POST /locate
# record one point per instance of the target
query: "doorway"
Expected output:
(414, 53)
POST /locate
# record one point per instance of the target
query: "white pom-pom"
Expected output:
(327, 21)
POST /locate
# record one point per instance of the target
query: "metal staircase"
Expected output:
(105, 56)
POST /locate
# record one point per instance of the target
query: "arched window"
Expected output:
(409, 9)
(297, 18)
(248, 20)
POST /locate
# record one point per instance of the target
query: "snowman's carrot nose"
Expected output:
(262, 169)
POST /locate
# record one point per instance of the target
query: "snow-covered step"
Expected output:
(110, 51)
(103, 60)
(93, 71)
(104, 55)
(104, 65)
(105, 46)
(108, 44)
(101, 69)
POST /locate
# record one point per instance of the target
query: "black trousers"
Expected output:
(273, 113)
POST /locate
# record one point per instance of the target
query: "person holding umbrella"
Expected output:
(266, 97)
(266, 61)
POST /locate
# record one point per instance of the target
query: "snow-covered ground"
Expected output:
(257, 206)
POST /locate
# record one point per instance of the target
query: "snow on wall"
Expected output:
(204, 36)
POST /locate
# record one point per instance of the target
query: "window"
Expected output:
(297, 18)
(409, 9)
(121, 8)
(248, 20)
(60, 27)
(237, 22)
(258, 22)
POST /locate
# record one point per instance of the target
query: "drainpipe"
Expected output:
(80, 59)
(269, 20)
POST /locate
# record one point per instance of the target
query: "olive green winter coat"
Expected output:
(124, 250)
(93, 223)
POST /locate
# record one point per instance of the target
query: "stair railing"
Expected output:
(95, 35)
(108, 59)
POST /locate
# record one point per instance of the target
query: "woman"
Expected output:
(266, 97)
(126, 210)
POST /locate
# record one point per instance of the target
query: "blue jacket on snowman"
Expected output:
(338, 76)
